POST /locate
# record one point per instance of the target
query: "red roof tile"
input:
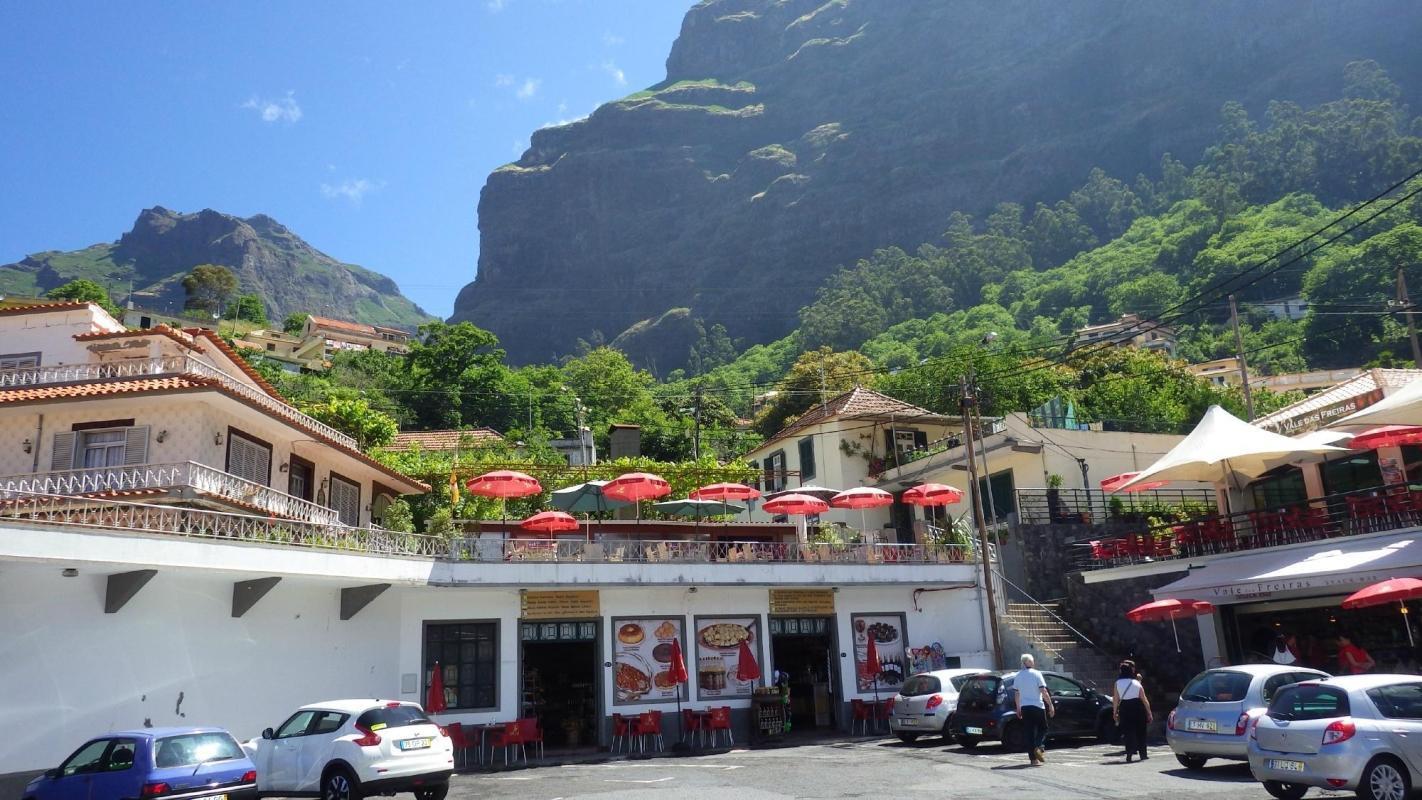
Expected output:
(181, 337)
(857, 403)
(444, 440)
(80, 391)
(241, 362)
(343, 325)
(43, 308)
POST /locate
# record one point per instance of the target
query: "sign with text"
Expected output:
(801, 601)
(559, 605)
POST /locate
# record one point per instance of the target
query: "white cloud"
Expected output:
(352, 190)
(495, 6)
(562, 106)
(528, 88)
(561, 122)
(282, 109)
(610, 39)
(618, 76)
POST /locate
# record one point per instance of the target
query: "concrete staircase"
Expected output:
(1042, 633)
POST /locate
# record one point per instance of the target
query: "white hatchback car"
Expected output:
(926, 701)
(351, 749)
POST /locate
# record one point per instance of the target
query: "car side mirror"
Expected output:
(268, 733)
(52, 773)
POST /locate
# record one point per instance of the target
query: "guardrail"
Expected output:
(180, 475)
(654, 551)
(1080, 506)
(166, 365)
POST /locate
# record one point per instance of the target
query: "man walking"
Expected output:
(1034, 706)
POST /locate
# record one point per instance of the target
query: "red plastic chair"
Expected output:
(621, 731)
(531, 733)
(458, 739)
(859, 713)
(1187, 538)
(882, 709)
(691, 724)
(649, 723)
(720, 721)
(511, 735)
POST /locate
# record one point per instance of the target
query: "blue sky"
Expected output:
(366, 127)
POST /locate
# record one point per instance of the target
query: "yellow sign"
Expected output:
(802, 601)
(559, 605)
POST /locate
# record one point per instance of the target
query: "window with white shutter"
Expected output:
(345, 499)
(61, 456)
(249, 458)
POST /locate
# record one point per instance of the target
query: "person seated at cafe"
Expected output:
(1286, 650)
(1352, 659)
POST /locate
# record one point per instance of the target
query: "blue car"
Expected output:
(166, 763)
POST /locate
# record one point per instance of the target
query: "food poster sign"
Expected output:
(642, 656)
(718, 655)
(888, 633)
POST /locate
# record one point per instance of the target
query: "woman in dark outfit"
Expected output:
(1131, 710)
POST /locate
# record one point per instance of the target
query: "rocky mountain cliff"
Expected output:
(268, 259)
(793, 136)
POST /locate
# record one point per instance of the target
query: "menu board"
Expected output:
(718, 656)
(641, 663)
(888, 633)
(576, 604)
(802, 601)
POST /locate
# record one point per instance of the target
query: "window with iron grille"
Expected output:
(468, 657)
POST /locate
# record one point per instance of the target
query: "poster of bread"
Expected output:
(642, 657)
(718, 656)
(887, 631)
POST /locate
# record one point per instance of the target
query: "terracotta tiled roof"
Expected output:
(343, 325)
(40, 308)
(1389, 380)
(444, 440)
(857, 403)
(227, 350)
(181, 337)
(80, 391)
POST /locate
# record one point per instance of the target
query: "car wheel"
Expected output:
(1285, 791)
(340, 784)
(1013, 737)
(1384, 779)
(1192, 763)
(966, 742)
(432, 792)
(908, 738)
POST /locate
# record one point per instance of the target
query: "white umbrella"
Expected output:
(1224, 447)
(817, 492)
(1401, 408)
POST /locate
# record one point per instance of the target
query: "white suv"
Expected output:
(351, 749)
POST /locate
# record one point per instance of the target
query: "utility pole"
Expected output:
(1406, 304)
(983, 552)
(696, 425)
(1243, 365)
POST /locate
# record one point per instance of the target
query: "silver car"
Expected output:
(926, 701)
(1216, 708)
(1359, 732)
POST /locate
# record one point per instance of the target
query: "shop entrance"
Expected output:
(804, 649)
(1314, 625)
(559, 673)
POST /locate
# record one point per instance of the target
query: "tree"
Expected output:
(209, 287)
(85, 291)
(815, 375)
(249, 307)
(295, 323)
(355, 418)
(458, 377)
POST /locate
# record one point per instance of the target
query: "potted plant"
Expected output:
(1054, 498)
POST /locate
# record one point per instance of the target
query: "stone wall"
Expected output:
(1099, 611)
(1048, 553)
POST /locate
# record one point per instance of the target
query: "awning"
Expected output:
(1334, 567)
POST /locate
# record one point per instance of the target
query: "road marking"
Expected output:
(653, 780)
(653, 765)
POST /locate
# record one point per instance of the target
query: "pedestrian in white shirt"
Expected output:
(1034, 707)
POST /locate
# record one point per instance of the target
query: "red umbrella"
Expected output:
(1393, 590)
(1115, 482)
(747, 669)
(726, 492)
(677, 670)
(503, 484)
(933, 494)
(1386, 436)
(550, 522)
(1161, 610)
(862, 497)
(434, 701)
(795, 504)
(636, 486)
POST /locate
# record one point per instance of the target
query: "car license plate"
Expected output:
(415, 744)
(908, 721)
(1285, 766)
(1203, 725)
(971, 731)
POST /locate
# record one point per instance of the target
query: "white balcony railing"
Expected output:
(180, 476)
(158, 367)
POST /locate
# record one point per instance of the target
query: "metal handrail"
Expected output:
(612, 550)
(165, 365)
(1034, 601)
(191, 474)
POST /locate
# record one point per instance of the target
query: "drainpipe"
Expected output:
(39, 437)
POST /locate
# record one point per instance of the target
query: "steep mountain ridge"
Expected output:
(266, 256)
(794, 136)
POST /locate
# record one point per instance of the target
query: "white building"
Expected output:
(130, 597)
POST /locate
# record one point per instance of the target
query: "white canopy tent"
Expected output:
(1224, 448)
(1402, 408)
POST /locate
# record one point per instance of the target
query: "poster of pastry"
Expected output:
(642, 656)
(887, 630)
(718, 656)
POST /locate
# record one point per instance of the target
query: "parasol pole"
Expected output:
(1402, 604)
(1175, 631)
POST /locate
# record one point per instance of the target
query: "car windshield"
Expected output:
(1310, 701)
(392, 717)
(191, 749)
(1217, 686)
(960, 681)
(919, 685)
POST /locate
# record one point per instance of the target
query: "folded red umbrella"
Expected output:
(1393, 590)
(933, 494)
(677, 668)
(434, 700)
(747, 669)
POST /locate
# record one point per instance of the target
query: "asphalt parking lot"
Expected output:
(877, 769)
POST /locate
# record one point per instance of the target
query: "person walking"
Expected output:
(1034, 707)
(1131, 709)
